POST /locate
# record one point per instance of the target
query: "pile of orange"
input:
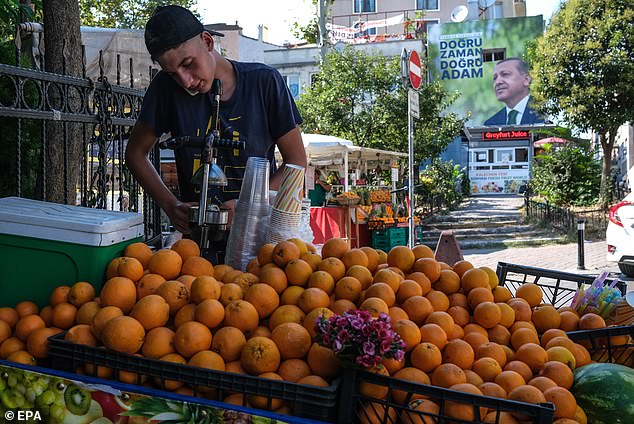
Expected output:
(461, 329)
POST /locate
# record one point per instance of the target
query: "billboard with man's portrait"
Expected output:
(483, 60)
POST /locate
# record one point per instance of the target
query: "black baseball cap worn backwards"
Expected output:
(170, 26)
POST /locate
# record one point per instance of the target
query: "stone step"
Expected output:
(481, 229)
(503, 242)
(451, 225)
(491, 216)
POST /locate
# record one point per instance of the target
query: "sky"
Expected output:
(279, 15)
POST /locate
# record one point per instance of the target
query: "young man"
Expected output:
(255, 106)
(511, 83)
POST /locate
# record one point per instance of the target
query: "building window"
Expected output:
(292, 81)
(493, 55)
(314, 79)
(427, 4)
(364, 6)
(521, 155)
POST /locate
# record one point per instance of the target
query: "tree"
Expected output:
(358, 96)
(123, 13)
(584, 70)
(62, 56)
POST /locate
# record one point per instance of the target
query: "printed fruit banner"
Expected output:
(28, 396)
(463, 55)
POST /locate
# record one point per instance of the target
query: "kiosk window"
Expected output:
(521, 155)
(505, 156)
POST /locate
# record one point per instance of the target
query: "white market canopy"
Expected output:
(325, 150)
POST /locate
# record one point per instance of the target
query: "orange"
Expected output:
(348, 288)
(260, 331)
(487, 368)
(458, 352)
(22, 357)
(260, 355)
(362, 274)
(461, 267)
(210, 312)
(230, 292)
(263, 402)
(37, 342)
(47, 315)
(428, 266)
(473, 378)
(443, 319)
(591, 321)
(151, 311)
(422, 251)
(334, 247)
(140, 251)
(10, 345)
(530, 292)
(545, 317)
(322, 280)
(401, 257)
(418, 308)
(355, 257)
(26, 307)
(63, 315)
(274, 277)
(166, 262)
(569, 321)
(473, 278)
(265, 254)
(295, 370)
(333, 266)
(263, 297)
(438, 300)
(493, 278)
(521, 368)
(312, 298)
(293, 340)
(191, 338)
(522, 337)
(298, 272)
(542, 383)
(527, 394)
(123, 334)
(80, 293)
(311, 319)
(175, 294)
(533, 355)
(509, 380)
(342, 305)
(522, 309)
(9, 315)
(565, 403)
(102, 317)
(479, 295)
(375, 306)
(499, 334)
(241, 314)
(158, 343)
(373, 258)
(448, 282)
(508, 314)
(130, 268)
(487, 314)
(204, 287)
(433, 333)
(228, 342)
(171, 384)
(424, 411)
(119, 292)
(196, 266)
(464, 411)
(81, 334)
(26, 325)
(550, 334)
(409, 333)
(382, 291)
(323, 362)
(148, 284)
(460, 315)
(426, 356)
(559, 372)
(286, 313)
(501, 294)
(476, 339)
(412, 374)
(375, 413)
(491, 350)
(447, 374)
(59, 295)
(491, 389)
(389, 277)
(458, 299)
(407, 289)
(185, 314)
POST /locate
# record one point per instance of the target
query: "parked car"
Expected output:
(620, 235)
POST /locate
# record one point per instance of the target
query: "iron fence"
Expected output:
(101, 113)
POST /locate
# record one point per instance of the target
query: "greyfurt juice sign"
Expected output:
(466, 56)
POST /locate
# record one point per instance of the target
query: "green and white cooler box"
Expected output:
(44, 245)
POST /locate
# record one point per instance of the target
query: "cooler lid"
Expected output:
(40, 216)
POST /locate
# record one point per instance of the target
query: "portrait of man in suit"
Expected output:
(511, 84)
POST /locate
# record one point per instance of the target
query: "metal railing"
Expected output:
(34, 103)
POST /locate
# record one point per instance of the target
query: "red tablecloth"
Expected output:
(326, 224)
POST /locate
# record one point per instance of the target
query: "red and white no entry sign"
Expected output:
(415, 77)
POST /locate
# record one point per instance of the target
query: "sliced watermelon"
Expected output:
(605, 392)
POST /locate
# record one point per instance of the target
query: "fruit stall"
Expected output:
(348, 335)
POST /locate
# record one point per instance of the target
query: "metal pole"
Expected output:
(410, 188)
(581, 227)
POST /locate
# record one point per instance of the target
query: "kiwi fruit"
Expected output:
(77, 400)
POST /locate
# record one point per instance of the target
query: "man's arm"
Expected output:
(292, 151)
(140, 144)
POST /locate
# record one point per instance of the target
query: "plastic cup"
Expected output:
(255, 184)
(289, 196)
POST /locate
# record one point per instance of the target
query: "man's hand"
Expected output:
(178, 214)
(229, 205)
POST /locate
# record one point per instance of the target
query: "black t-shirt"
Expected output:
(260, 111)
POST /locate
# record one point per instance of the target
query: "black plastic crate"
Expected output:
(356, 407)
(559, 287)
(605, 345)
(318, 403)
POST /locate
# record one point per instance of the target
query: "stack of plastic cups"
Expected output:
(251, 217)
(306, 231)
(286, 213)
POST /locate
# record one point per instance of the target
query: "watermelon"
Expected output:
(605, 392)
